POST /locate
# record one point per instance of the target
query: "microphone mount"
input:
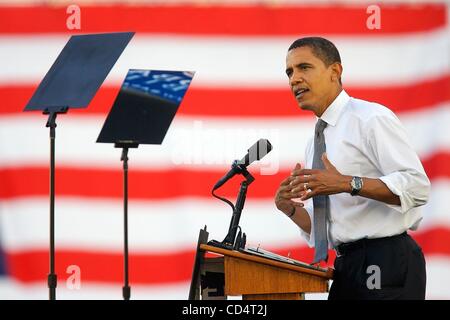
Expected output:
(241, 169)
(230, 241)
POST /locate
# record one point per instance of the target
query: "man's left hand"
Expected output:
(313, 182)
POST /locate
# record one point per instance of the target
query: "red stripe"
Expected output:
(32, 265)
(102, 267)
(226, 20)
(154, 184)
(252, 102)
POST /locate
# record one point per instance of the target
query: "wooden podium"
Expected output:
(225, 272)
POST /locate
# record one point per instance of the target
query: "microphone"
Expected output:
(255, 152)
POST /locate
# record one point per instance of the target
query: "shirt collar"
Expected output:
(334, 110)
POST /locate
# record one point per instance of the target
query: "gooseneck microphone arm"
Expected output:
(256, 152)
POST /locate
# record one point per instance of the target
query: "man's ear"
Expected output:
(336, 71)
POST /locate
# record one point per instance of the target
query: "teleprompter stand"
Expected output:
(51, 123)
(126, 290)
(72, 81)
(142, 113)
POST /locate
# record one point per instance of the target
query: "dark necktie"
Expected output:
(321, 202)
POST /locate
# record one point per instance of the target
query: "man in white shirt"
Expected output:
(368, 185)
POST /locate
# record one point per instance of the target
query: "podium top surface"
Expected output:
(145, 107)
(79, 71)
(316, 271)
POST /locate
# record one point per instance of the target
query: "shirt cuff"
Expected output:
(394, 183)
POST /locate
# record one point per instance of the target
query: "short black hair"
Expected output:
(322, 48)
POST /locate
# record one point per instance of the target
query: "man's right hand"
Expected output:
(283, 197)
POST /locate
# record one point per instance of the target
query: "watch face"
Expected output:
(356, 183)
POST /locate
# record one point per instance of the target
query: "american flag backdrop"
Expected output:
(239, 94)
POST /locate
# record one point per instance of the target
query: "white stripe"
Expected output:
(437, 210)
(14, 290)
(162, 226)
(196, 142)
(438, 277)
(428, 129)
(242, 61)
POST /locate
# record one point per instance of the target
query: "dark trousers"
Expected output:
(378, 269)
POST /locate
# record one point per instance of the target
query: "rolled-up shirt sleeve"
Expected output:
(402, 172)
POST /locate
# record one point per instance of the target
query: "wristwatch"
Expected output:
(356, 184)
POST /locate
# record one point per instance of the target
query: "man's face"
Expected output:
(313, 84)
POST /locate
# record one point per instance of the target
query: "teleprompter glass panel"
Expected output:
(145, 106)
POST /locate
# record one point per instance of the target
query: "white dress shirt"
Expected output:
(366, 139)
